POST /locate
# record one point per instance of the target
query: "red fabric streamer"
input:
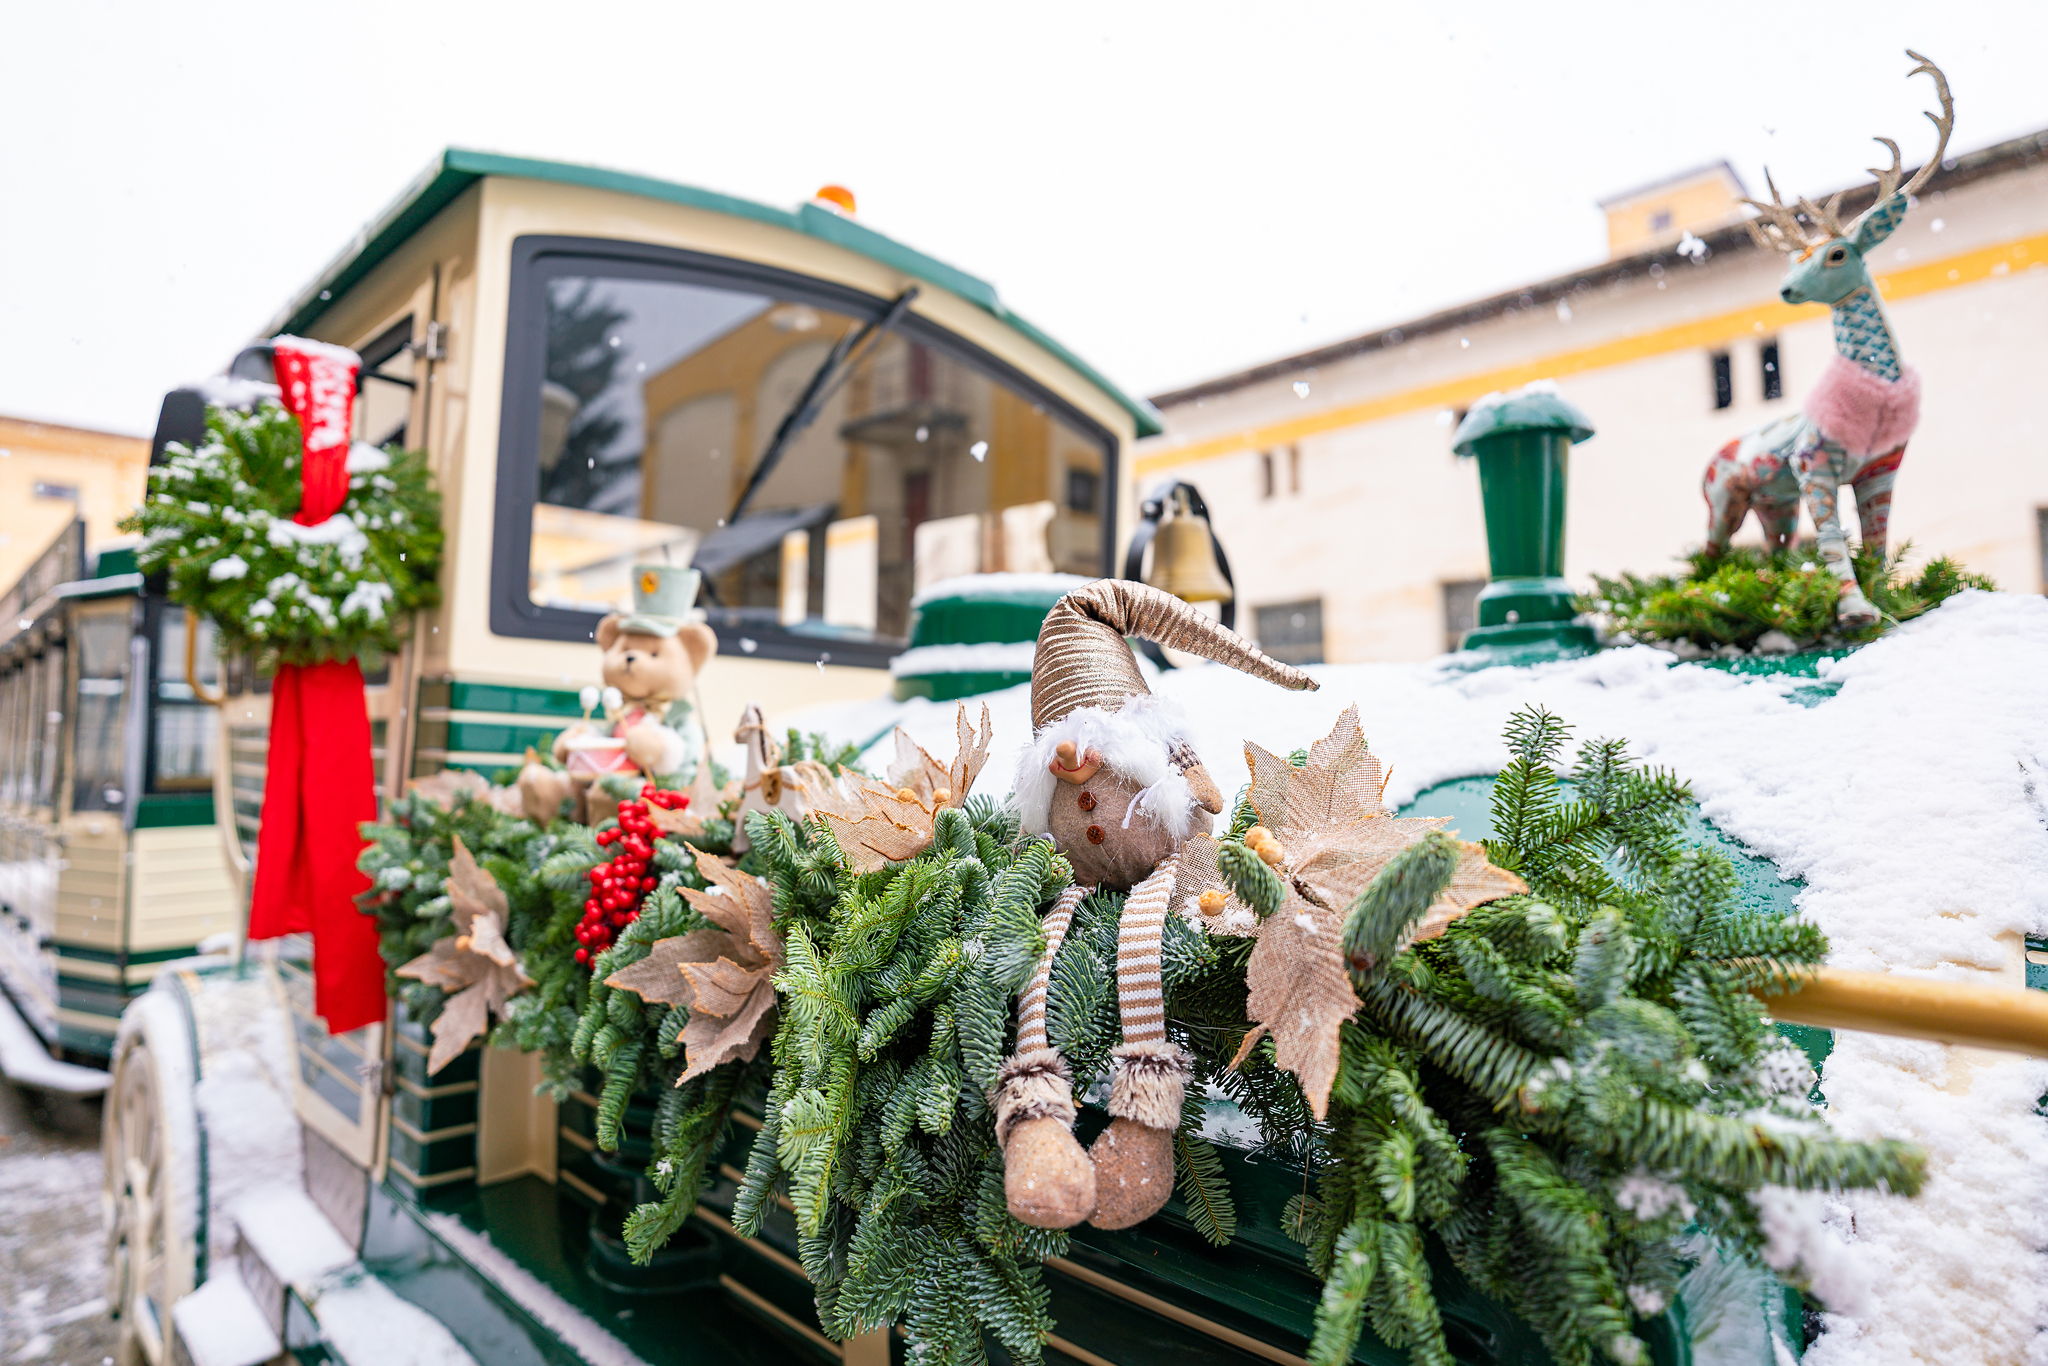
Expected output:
(318, 788)
(319, 784)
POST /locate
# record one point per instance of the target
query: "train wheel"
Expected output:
(150, 1188)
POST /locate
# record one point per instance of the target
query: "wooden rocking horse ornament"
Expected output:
(1111, 777)
(1857, 419)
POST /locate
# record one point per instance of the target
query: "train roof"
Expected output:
(456, 169)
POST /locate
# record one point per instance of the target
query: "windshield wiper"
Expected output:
(851, 350)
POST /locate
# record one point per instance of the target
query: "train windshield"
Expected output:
(662, 398)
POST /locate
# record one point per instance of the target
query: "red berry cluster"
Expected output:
(617, 888)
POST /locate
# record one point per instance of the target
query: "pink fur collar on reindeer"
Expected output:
(1863, 413)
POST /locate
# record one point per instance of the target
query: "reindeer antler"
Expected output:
(1779, 228)
(1944, 123)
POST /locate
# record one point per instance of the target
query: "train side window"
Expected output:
(12, 741)
(100, 632)
(657, 420)
(384, 401)
(182, 730)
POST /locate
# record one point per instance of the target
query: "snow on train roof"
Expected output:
(1914, 805)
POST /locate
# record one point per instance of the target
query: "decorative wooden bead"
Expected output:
(1087, 800)
(1095, 835)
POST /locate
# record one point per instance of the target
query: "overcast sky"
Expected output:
(1174, 190)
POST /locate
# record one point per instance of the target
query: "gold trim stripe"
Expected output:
(589, 1192)
(782, 1316)
(1242, 1341)
(2022, 253)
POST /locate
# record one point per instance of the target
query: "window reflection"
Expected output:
(102, 634)
(182, 757)
(660, 398)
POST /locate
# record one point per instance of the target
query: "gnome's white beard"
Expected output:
(1135, 742)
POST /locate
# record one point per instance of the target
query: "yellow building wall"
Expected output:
(107, 470)
(1710, 200)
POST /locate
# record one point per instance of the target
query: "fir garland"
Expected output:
(218, 520)
(1553, 1091)
(1562, 1092)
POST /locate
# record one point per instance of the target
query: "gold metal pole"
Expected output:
(1917, 1008)
(192, 662)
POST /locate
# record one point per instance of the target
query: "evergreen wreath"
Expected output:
(218, 520)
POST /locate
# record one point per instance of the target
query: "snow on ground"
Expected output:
(1914, 803)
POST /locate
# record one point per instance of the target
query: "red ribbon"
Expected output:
(319, 784)
(318, 788)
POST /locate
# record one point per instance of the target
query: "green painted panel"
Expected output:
(521, 701)
(95, 998)
(692, 1321)
(119, 560)
(946, 687)
(488, 737)
(90, 955)
(428, 1113)
(162, 810)
(980, 620)
(92, 1043)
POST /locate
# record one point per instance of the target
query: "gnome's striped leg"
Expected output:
(1148, 1076)
(1048, 1181)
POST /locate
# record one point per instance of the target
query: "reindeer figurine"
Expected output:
(1866, 405)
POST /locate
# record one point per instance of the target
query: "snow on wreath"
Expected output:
(218, 520)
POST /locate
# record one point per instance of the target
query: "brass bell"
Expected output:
(1184, 557)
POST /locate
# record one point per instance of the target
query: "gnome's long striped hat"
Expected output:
(1086, 687)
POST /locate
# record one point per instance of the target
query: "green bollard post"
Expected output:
(1523, 442)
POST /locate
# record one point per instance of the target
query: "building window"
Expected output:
(1461, 606)
(1774, 374)
(1267, 483)
(1292, 632)
(1660, 220)
(1294, 469)
(1724, 381)
(1084, 491)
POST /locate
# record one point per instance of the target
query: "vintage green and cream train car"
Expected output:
(110, 861)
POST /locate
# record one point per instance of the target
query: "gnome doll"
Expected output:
(1111, 777)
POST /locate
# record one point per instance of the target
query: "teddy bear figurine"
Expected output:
(649, 729)
(1111, 778)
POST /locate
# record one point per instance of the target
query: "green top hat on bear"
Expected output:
(664, 598)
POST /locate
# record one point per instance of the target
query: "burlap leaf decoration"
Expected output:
(704, 804)
(474, 965)
(451, 787)
(893, 820)
(1333, 827)
(724, 976)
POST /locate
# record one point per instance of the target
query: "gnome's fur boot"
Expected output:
(1133, 1157)
(1048, 1180)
